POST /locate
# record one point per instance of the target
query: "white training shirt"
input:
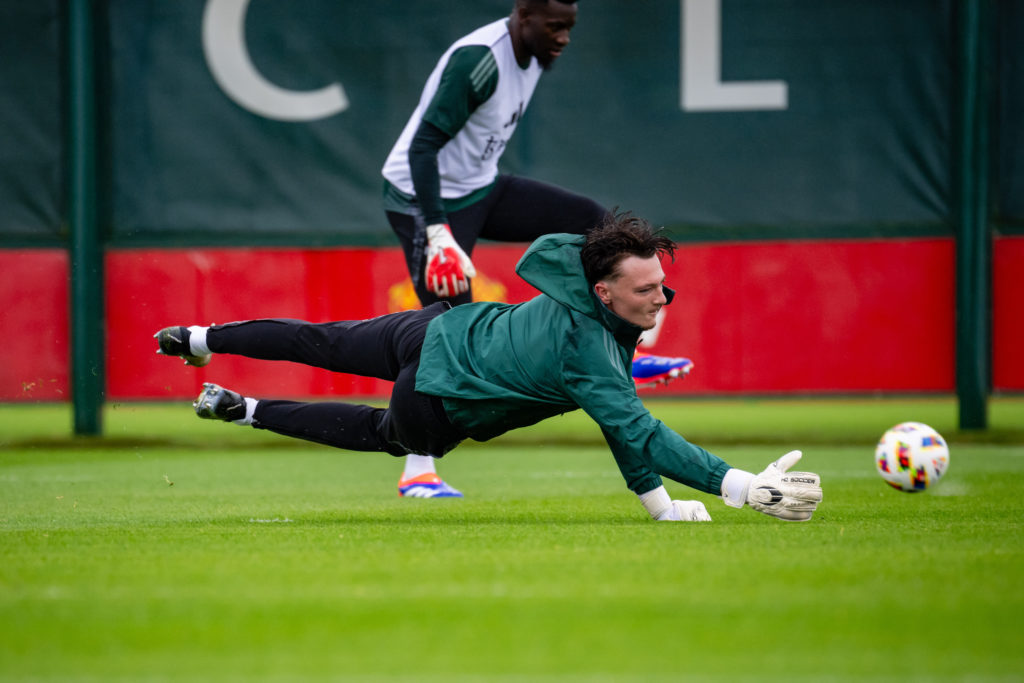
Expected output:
(470, 159)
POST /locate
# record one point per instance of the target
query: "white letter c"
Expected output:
(229, 62)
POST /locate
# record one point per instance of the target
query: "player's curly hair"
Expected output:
(619, 236)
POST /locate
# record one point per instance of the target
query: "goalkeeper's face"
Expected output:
(635, 291)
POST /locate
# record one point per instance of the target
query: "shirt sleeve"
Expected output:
(645, 449)
(468, 80)
(426, 179)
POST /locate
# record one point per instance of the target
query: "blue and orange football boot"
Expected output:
(650, 371)
(428, 485)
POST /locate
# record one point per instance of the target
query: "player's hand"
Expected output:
(448, 267)
(685, 511)
(664, 509)
(792, 496)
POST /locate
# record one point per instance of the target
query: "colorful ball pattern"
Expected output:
(912, 456)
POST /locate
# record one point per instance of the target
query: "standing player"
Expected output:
(443, 191)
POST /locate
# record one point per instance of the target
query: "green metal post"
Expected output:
(86, 251)
(973, 243)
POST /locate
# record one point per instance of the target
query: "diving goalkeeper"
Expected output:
(478, 370)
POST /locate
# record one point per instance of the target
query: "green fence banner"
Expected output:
(261, 121)
(31, 134)
(1008, 144)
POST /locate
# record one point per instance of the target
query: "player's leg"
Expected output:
(342, 425)
(387, 347)
(419, 478)
(378, 347)
(382, 347)
(412, 422)
(521, 210)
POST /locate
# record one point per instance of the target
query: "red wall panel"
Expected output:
(824, 316)
(1008, 313)
(814, 316)
(34, 312)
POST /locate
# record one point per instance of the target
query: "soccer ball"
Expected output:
(911, 456)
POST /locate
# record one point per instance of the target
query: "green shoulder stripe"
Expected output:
(468, 80)
(481, 77)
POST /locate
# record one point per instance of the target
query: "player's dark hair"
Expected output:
(619, 236)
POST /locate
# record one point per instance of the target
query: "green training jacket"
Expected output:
(500, 366)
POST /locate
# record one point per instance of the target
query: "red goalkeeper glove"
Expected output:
(448, 267)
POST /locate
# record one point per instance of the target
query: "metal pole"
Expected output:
(86, 252)
(973, 242)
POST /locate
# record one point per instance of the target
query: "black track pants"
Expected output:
(387, 347)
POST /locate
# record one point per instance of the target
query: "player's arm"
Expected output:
(470, 77)
(776, 491)
(646, 449)
(468, 80)
(426, 180)
(596, 381)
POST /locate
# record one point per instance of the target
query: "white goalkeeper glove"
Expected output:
(448, 267)
(792, 496)
(664, 509)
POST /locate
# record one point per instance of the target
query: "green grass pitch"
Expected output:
(178, 550)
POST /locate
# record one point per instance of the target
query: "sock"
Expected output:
(250, 408)
(657, 502)
(415, 465)
(197, 340)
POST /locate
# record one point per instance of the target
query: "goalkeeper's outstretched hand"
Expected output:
(663, 509)
(792, 496)
(686, 511)
(448, 267)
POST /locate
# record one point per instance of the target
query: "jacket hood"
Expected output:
(552, 264)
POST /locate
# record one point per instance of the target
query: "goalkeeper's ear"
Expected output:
(601, 290)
